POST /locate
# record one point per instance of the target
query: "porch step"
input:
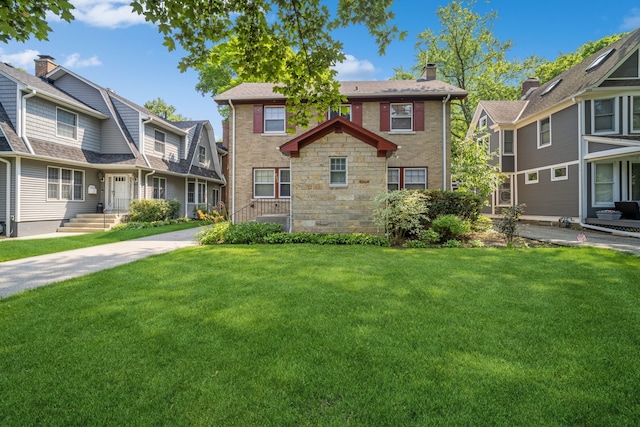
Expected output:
(87, 223)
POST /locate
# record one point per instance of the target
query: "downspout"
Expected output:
(23, 121)
(444, 141)
(146, 183)
(7, 222)
(233, 160)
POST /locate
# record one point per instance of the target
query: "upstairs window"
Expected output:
(507, 142)
(158, 141)
(635, 112)
(343, 111)
(604, 115)
(402, 117)
(274, 119)
(338, 171)
(67, 124)
(544, 132)
(202, 154)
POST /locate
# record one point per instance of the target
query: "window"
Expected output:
(604, 115)
(274, 119)
(402, 117)
(264, 183)
(599, 60)
(159, 188)
(603, 184)
(415, 178)
(159, 141)
(191, 192)
(635, 181)
(67, 123)
(284, 183)
(393, 179)
(559, 173)
(215, 196)
(341, 111)
(338, 171)
(507, 142)
(65, 184)
(544, 132)
(550, 87)
(635, 108)
(531, 177)
(202, 154)
(202, 192)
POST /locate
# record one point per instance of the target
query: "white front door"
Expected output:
(119, 193)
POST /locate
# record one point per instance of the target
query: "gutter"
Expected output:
(7, 222)
(233, 159)
(444, 142)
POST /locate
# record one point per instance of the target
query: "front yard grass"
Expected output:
(279, 335)
(11, 249)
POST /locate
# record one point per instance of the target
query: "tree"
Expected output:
(474, 167)
(469, 56)
(168, 112)
(21, 19)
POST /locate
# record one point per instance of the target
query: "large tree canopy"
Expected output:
(278, 41)
(168, 112)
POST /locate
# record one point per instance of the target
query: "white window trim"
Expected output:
(391, 117)
(272, 183)
(513, 143)
(388, 182)
(156, 141)
(59, 185)
(615, 117)
(201, 189)
(614, 183)
(634, 99)
(337, 110)
(153, 187)
(264, 120)
(202, 154)
(528, 180)
(346, 173)
(75, 128)
(540, 145)
(560, 178)
(413, 169)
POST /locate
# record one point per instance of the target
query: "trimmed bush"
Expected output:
(149, 210)
(450, 227)
(462, 204)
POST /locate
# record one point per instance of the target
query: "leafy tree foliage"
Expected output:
(469, 56)
(474, 169)
(168, 112)
(548, 70)
(21, 19)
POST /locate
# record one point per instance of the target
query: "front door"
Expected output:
(119, 192)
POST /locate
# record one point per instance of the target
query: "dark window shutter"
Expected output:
(258, 121)
(356, 113)
(418, 116)
(385, 116)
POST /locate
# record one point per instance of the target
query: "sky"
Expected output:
(113, 47)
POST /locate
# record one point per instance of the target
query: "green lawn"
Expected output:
(11, 249)
(330, 336)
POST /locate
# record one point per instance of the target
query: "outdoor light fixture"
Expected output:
(100, 176)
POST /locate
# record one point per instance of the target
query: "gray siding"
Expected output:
(508, 164)
(79, 89)
(33, 193)
(175, 189)
(3, 189)
(564, 142)
(41, 123)
(8, 98)
(172, 144)
(550, 198)
(131, 118)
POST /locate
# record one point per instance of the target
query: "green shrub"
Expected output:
(215, 234)
(452, 243)
(149, 210)
(509, 221)
(463, 204)
(400, 213)
(482, 223)
(450, 227)
(429, 236)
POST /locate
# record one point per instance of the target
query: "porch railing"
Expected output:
(261, 207)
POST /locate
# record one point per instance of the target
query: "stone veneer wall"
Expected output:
(320, 208)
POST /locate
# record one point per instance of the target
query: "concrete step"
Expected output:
(80, 229)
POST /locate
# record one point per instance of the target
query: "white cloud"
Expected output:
(355, 69)
(22, 59)
(74, 61)
(632, 20)
(104, 13)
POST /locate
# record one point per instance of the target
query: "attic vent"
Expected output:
(600, 59)
(551, 87)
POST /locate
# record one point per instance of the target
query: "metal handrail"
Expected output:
(260, 207)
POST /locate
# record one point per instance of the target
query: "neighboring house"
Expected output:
(570, 147)
(388, 135)
(69, 147)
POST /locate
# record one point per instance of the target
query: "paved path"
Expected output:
(28, 273)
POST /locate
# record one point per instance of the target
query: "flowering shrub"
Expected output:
(213, 217)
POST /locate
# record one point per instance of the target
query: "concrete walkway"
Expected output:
(28, 273)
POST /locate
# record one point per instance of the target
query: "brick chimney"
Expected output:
(530, 83)
(428, 72)
(44, 65)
